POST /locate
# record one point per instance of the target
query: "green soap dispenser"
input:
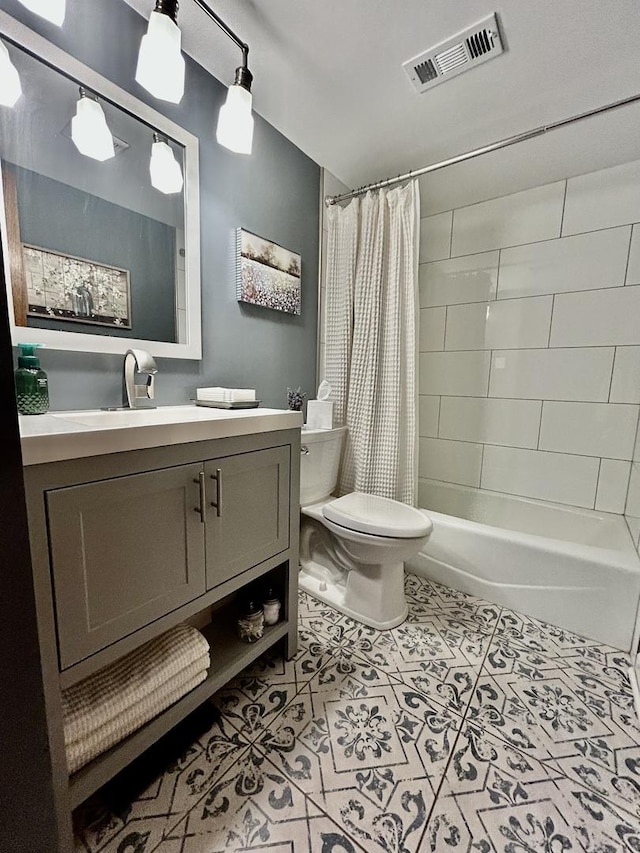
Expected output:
(32, 385)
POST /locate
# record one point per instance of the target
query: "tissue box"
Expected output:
(320, 414)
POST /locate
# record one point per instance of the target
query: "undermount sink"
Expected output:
(142, 417)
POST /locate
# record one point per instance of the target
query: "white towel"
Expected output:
(226, 395)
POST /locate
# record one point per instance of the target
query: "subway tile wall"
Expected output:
(530, 343)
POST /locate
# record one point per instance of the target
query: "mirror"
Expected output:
(97, 258)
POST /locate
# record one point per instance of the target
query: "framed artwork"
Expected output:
(63, 287)
(267, 274)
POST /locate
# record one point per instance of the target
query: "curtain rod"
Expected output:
(486, 149)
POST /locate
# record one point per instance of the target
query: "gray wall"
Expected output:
(273, 193)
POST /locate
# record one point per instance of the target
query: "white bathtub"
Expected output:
(571, 567)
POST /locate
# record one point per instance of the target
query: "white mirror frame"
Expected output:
(35, 44)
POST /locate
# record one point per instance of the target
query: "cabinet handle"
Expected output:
(218, 501)
(203, 496)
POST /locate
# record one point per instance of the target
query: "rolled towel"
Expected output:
(108, 693)
(85, 749)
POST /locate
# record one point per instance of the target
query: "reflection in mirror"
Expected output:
(101, 243)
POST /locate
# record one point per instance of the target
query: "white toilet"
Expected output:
(353, 548)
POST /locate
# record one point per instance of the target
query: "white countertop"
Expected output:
(56, 436)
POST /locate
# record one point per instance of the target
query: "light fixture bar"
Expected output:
(244, 47)
(235, 121)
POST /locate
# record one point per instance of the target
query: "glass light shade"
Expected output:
(235, 122)
(160, 61)
(166, 174)
(90, 132)
(10, 88)
(52, 10)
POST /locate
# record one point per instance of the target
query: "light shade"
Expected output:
(166, 174)
(235, 122)
(10, 88)
(90, 132)
(52, 10)
(160, 61)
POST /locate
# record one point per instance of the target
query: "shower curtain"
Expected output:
(370, 340)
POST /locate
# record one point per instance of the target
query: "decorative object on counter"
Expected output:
(104, 708)
(251, 622)
(320, 410)
(32, 385)
(63, 287)
(296, 398)
(267, 274)
(271, 607)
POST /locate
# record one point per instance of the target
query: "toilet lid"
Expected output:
(376, 515)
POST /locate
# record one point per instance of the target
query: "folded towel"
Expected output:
(241, 395)
(74, 735)
(106, 694)
(214, 393)
(226, 395)
(83, 750)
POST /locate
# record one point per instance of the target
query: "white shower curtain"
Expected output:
(370, 341)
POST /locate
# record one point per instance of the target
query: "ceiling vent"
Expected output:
(460, 53)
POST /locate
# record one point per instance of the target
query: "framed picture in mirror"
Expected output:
(76, 289)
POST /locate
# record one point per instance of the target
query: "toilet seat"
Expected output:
(377, 516)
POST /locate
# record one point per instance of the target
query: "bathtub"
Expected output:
(572, 567)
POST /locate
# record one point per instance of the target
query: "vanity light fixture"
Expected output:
(166, 174)
(52, 10)
(160, 67)
(235, 122)
(10, 87)
(89, 129)
(161, 72)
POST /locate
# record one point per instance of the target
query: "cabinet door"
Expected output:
(124, 552)
(247, 511)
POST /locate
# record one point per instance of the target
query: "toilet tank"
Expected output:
(319, 461)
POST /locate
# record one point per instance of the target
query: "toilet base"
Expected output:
(317, 581)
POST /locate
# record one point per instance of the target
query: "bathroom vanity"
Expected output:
(139, 525)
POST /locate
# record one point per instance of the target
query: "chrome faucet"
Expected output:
(137, 361)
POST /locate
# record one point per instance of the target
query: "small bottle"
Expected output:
(271, 608)
(32, 386)
(251, 623)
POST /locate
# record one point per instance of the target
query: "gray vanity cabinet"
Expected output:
(124, 552)
(126, 545)
(127, 550)
(247, 517)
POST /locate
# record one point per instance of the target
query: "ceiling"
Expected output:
(329, 76)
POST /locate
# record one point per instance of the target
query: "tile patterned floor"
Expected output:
(469, 728)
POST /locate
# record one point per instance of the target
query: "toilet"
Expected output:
(353, 548)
